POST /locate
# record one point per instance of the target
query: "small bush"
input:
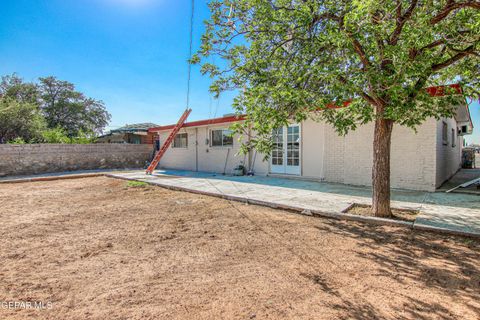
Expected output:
(136, 184)
(55, 135)
(59, 135)
(17, 140)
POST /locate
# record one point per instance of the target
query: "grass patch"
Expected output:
(136, 184)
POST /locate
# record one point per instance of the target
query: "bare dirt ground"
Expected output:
(97, 249)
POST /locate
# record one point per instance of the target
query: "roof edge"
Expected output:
(437, 91)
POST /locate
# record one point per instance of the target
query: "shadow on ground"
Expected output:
(439, 198)
(437, 262)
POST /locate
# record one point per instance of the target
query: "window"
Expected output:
(444, 133)
(180, 140)
(277, 151)
(453, 138)
(221, 138)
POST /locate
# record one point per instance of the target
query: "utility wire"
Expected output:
(190, 53)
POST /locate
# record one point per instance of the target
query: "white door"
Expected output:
(285, 157)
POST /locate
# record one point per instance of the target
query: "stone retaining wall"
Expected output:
(25, 159)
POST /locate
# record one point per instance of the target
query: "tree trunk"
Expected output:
(381, 167)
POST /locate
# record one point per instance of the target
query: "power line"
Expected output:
(190, 53)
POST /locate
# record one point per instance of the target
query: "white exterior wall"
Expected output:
(179, 158)
(327, 156)
(449, 159)
(210, 159)
(349, 159)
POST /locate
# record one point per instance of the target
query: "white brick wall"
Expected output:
(349, 159)
(448, 158)
(330, 157)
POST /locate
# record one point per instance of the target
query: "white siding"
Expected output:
(210, 159)
(179, 158)
(333, 158)
(448, 158)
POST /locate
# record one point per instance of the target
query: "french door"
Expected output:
(285, 157)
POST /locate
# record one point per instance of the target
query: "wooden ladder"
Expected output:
(168, 142)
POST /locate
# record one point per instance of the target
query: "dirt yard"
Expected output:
(97, 249)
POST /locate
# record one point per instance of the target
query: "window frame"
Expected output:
(453, 138)
(186, 141)
(223, 130)
(444, 133)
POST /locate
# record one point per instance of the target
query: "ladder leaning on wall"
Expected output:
(168, 142)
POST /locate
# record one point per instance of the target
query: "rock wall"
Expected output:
(25, 159)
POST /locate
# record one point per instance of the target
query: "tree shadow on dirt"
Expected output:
(447, 264)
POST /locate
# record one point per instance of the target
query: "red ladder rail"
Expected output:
(168, 142)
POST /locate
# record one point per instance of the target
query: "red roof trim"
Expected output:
(438, 91)
(198, 123)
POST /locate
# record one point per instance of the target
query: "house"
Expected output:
(313, 150)
(131, 133)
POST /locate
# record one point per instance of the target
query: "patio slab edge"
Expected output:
(51, 178)
(273, 205)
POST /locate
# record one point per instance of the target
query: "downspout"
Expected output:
(322, 178)
(196, 149)
(249, 149)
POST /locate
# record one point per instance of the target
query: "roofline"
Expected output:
(130, 130)
(437, 91)
(199, 123)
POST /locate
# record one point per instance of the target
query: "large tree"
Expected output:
(20, 120)
(288, 59)
(12, 86)
(66, 108)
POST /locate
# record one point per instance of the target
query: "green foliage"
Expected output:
(17, 140)
(69, 109)
(83, 138)
(55, 135)
(289, 60)
(51, 111)
(12, 86)
(59, 135)
(20, 121)
(136, 184)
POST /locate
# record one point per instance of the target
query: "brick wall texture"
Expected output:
(42, 158)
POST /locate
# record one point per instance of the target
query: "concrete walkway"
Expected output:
(450, 212)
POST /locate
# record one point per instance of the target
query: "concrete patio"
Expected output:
(449, 212)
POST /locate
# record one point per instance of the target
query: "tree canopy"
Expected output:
(56, 107)
(21, 120)
(66, 108)
(292, 60)
(289, 58)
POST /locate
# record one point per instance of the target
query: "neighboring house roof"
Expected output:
(135, 127)
(438, 91)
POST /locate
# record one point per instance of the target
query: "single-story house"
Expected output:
(313, 150)
(131, 133)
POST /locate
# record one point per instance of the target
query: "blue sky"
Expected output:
(129, 53)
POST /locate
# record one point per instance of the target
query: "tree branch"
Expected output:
(401, 19)
(460, 55)
(359, 50)
(362, 93)
(451, 6)
(415, 52)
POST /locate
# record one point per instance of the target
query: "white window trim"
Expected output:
(445, 138)
(454, 136)
(222, 146)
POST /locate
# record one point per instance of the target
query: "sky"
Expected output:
(131, 54)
